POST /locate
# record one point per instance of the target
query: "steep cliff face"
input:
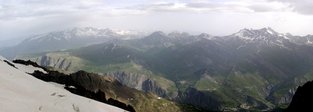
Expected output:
(129, 79)
(59, 61)
(287, 97)
(282, 94)
(200, 99)
(152, 86)
(146, 83)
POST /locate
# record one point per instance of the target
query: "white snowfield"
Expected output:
(20, 92)
(28, 68)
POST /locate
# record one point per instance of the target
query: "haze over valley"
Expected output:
(153, 56)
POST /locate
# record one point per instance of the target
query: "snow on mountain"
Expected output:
(207, 36)
(87, 33)
(309, 39)
(28, 68)
(21, 92)
(273, 37)
(252, 34)
(305, 40)
(264, 36)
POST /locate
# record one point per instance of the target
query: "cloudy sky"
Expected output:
(22, 18)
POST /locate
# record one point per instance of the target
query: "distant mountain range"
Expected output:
(67, 39)
(253, 69)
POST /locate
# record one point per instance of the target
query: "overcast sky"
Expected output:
(22, 18)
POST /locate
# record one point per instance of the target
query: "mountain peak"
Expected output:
(205, 35)
(249, 34)
(88, 31)
(158, 33)
(268, 30)
(157, 37)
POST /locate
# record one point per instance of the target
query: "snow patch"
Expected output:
(270, 31)
(29, 68)
(21, 92)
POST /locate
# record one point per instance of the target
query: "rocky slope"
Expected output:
(108, 90)
(145, 83)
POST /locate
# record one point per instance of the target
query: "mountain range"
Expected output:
(252, 69)
(67, 39)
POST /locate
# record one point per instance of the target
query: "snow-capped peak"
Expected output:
(85, 32)
(269, 30)
(125, 32)
(251, 34)
(243, 34)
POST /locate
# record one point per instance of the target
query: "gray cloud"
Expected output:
(34, 8)
(261, 8)
(269, 7)
(232, 6)
(300, 6)
(155, 7)
(205, 5)
(37, 8)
